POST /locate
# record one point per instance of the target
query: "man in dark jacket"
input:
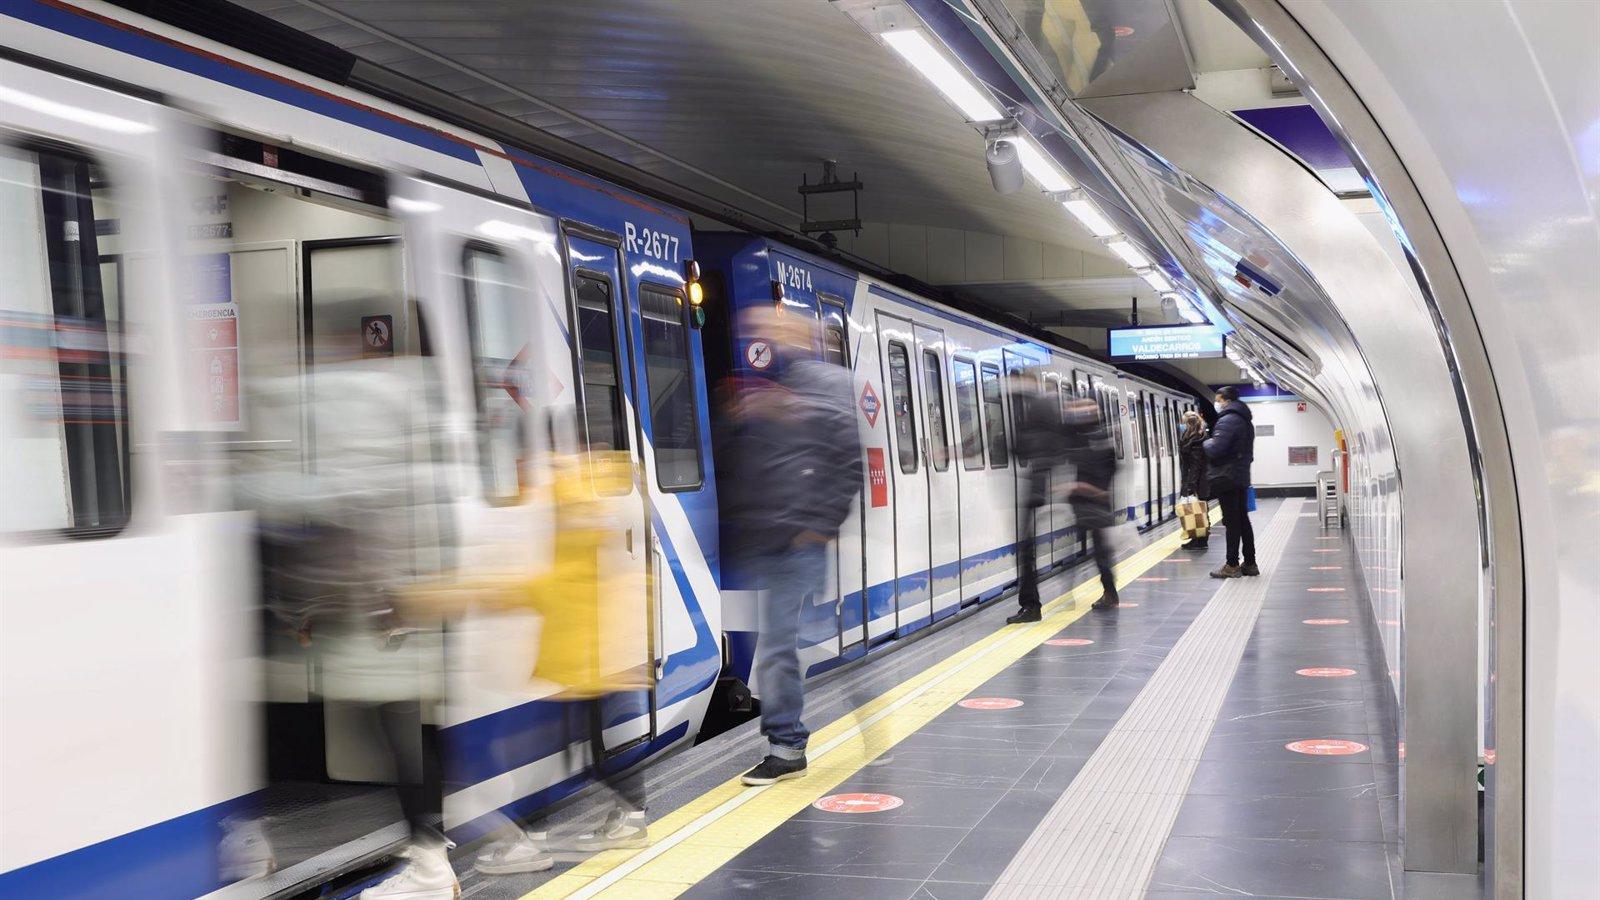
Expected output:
(798, 459)
(1231, 448)
(1094, 464)
(1040, 445)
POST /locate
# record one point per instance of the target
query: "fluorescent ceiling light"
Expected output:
(951, 81)
(1156, 280)
(1040, 167)
(1129, 253)
(1091, 218)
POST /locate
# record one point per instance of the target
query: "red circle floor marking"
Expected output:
(1069, 642)
(1177, 559)
(859, 803)
(1326, 747)
(1325, 550)
(1326, 568)
(1391, 621)
(1326, 590)
(1125, 604)
(990, 703)
(1325, 672)
(1150, 578)
(1325, 621)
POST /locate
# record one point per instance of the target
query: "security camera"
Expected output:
(1005, 167)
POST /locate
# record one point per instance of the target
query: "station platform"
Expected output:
(1208, 737)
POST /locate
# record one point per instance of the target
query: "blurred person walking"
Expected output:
(1230, 449)
(344, 542)
(1193, 471)
(1094, 463)
(795, 469)
(1041, 445)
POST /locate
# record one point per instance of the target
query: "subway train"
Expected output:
(187, 228)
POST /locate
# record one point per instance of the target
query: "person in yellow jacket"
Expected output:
(592, 643)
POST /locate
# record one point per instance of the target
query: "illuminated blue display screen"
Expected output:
(1165, 342)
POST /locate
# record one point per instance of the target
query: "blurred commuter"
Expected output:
(591, 641)
(1193, 468)
(344, 540)
(795, 462)
(1041, 445)
(1094, 469)
(1230, 449)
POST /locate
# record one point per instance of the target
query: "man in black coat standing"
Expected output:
(1231, 448)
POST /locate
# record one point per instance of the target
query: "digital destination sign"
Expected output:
(1165, 342)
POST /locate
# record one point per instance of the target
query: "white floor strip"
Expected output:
(1103, 837)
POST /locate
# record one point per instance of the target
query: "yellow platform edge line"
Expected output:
(700, 837)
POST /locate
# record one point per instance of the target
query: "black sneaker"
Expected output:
(1026, 614)
(1107, 601)
(1249, 569)
(774, 769)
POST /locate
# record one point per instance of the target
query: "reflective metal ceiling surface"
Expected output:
(737, 98)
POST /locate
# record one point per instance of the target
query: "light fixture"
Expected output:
(1129, 253)
(1040, 167)
(1005, 169)
(1085, 212)
(1156, 280)
(916, 49)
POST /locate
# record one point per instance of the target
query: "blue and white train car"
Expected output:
(549, 309)
(936, 527)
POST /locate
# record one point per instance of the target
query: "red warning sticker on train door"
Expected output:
(870, 405)
(877, 476)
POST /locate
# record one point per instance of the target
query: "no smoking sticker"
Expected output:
(1325, 672)
(1326, 747)
(859, 803)
(990, 703)
(758, 354)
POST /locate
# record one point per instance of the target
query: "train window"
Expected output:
(933, 395)
(674, 424)
(905, 428)
(835, 336)
(63, 406)
(994, 416)
(499, 334)
(967, 414)
(606, 426)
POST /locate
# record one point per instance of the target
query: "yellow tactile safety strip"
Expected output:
(700, 837)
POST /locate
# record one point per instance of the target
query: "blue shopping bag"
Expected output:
(1250, 498)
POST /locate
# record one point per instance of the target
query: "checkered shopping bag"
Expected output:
(1192, 515)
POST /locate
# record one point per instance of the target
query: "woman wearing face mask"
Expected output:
(1192, 466)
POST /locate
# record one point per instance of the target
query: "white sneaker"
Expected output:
(522, 853)
(244, 851)
(623, 830)
(427, 876)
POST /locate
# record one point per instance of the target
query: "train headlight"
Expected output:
(697, 293)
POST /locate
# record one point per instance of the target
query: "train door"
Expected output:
(944, 502)
(1018, 378)
(913, 599)
(850, 549)
(609, 430)
(1158, 428)
(1141, 442)
(973, 522)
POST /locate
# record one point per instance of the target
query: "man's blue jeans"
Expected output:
(789, 580)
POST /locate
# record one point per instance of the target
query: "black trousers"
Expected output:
(419, 777)
(1236, 519)
(1100, 544)
(1028, 558)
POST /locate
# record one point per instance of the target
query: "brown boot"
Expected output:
(1226, 572)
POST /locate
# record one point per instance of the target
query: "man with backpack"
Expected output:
(798, 465)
